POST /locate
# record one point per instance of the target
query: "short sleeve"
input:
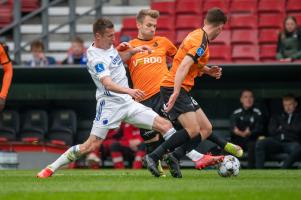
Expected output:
(98, 65)
(4, 57)
(197, 52)
(171, 48)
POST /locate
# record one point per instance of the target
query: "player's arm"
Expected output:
(181, 73)
(214, 71)
(127, 54)
(107, 82)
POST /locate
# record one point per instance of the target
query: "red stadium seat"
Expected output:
(166, 23)
(224, 38)
(129, 23)
(244, 37)
(189, 7)
(222, 4)
(271, 6)
(181, 34)
(293, 6)
(220, 53)
(245, 53)
(165, 8)
(243, 6)
(169, 34)
(298, 17)
(270, 20)
(188, 21)
(29, 5)
(268, 36)
(243, 21)
(268, 52)
(6, 15)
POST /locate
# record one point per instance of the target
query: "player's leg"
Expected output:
(71, 155)
(116, 151)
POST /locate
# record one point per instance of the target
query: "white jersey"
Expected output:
(107, 63)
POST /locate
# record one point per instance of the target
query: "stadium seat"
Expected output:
(129, 23)
(165, 8)
(35, 126)
(270, 20)
(181, 34)
(298, 17)
(268, 52)
(83, 131)
(169, 34)
(188, 22)
(245, 53)
(223, 38)
(189, 7)
(293, 6)
(266, 36)
(222, 4)
(220, 53)
(272, 6)
(244, 37)
(243, 21)
(166, 23)
(6, 15)
(9, 125)
(243, 6)
(29, 5)
(63, 127)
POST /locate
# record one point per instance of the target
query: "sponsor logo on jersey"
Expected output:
(99, 67)
(148, 60)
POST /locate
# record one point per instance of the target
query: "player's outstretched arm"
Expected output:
(111, 86)
(127, 54)
(214, 71)
(6, 82)
(182, 71)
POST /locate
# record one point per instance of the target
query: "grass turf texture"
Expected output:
(139, 184)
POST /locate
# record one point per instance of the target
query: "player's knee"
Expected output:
(193, 130)
(162, 125)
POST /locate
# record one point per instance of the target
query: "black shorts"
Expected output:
(184, 103)
(156, 103)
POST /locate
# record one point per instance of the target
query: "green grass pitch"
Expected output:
(139, 184)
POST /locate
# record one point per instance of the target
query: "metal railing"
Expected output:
(43, 11)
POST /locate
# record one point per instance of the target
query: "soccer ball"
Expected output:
(229, 167)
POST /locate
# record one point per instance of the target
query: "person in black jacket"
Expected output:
(247, 125)
(285, 131)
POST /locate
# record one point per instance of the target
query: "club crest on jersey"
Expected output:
(105, 121)
(200, 51)
(99, 67)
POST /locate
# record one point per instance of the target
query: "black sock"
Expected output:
(217, 140)
(150, 147)
(185, 148)
(177, 139)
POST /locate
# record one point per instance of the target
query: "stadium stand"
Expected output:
(9, 125)
(191, 7)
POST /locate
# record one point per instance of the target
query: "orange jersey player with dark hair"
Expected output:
(8, 74)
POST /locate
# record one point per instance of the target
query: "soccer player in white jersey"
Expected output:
(115, 101)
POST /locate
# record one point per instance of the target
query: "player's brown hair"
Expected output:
(215, 16)
(147, 12)
(37, 44)
(101, 25)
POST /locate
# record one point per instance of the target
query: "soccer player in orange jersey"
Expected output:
(8, 74)
(189, 62)
(147, 71)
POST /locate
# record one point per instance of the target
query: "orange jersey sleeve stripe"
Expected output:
(147, 70)
(195, 46)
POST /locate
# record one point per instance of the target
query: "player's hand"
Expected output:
(171, 102)
(142, 48)
(2, 103)
(215, 72)
(137, 94)
(123, 46)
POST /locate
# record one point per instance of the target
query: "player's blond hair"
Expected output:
(147, 12)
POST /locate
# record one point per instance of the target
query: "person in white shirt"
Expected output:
(115, 100)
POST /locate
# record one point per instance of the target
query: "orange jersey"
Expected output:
(8, 71)
(147, 70)
(194, 45)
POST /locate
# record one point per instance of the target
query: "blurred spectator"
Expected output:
(38, 56)
(247, 125)
(289, 41)
(284, 135)
(76, 53)
(6, 63)
(130, 146)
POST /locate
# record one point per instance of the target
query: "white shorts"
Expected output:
(109, 115)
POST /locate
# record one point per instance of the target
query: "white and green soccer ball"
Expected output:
(229, 167)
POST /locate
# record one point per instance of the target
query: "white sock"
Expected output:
(69, 156)
(194, 155)
(169, 133)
